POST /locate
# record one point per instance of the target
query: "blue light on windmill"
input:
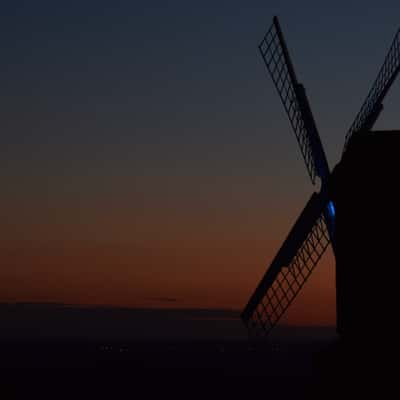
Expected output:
(331, 209)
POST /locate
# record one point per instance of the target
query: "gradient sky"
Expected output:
(146, 158)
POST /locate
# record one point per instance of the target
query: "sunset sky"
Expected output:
(146, 158)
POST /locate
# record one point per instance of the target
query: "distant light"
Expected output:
(331, 209)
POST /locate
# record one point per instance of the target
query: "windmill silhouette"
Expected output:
(340, 213)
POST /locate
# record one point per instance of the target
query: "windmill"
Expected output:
(329, 216)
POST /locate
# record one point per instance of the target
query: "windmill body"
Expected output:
(352, 212)
(364, 190)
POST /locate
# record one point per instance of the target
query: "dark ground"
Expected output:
(50, 352)
(210, 369)
(207, 370)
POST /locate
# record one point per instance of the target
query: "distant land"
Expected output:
(65, 321)
(111, 352)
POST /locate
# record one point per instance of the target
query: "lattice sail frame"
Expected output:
(371, 107)
(277, 61)
(289, 281)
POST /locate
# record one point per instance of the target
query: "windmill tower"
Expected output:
(351, 212)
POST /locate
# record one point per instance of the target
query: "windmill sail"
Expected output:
(313, 231)
(292, 94)
(372, 105)
(296, 259)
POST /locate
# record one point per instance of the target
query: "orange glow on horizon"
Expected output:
(188, 275)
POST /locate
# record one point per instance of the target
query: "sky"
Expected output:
(146, 158)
